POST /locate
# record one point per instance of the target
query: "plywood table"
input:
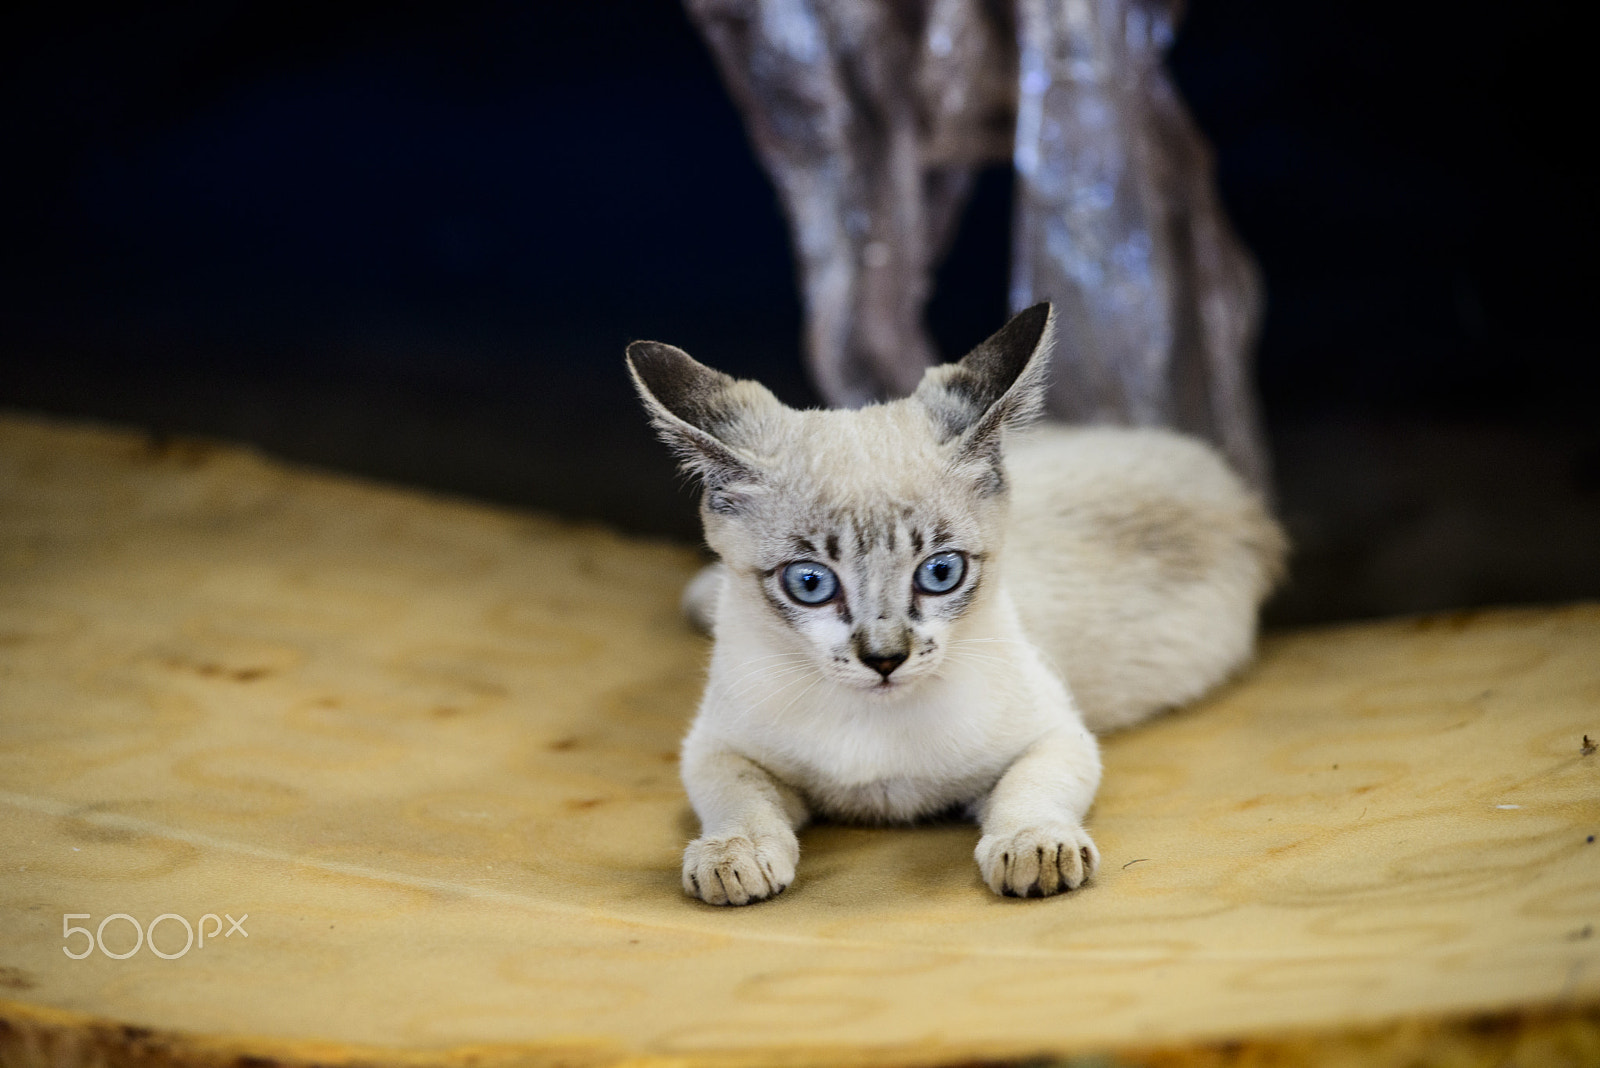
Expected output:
(408, 765)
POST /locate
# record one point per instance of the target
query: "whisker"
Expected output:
(967, 656)
(801, 694)
(773, 656)
(798, 678)
(976, 654)
(752, 680)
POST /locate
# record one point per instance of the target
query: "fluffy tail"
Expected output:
(700, 598)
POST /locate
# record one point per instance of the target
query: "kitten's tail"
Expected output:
(700, 598)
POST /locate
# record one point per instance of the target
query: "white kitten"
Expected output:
(901, 589)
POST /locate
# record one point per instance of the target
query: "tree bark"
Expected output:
(1118, 223)
(872, 117)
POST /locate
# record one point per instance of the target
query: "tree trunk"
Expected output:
(1118, 223)
(872, 117)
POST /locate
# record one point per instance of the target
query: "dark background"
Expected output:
(411, 241)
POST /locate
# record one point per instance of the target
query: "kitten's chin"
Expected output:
(888, 689)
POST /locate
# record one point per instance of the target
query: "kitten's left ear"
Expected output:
(696, 410)
(996, 387)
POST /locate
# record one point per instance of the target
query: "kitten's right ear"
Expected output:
(996, 387)
(691, 407)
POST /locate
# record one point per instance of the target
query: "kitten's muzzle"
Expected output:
(884, 664)
(882, 646)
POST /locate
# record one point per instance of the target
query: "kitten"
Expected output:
(907, 590)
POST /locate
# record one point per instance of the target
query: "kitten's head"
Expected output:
(863, 536)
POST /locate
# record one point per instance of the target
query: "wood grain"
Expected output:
(429, 748)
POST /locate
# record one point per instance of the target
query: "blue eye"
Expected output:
(810, 583)
(941, 572)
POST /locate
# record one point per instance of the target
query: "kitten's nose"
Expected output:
(883, 665)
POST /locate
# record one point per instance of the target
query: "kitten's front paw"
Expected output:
(1038, 861)
(739, 870)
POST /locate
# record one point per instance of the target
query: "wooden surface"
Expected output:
(428, 748)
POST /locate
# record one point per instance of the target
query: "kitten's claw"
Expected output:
(1037, 861)
(739, 870)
